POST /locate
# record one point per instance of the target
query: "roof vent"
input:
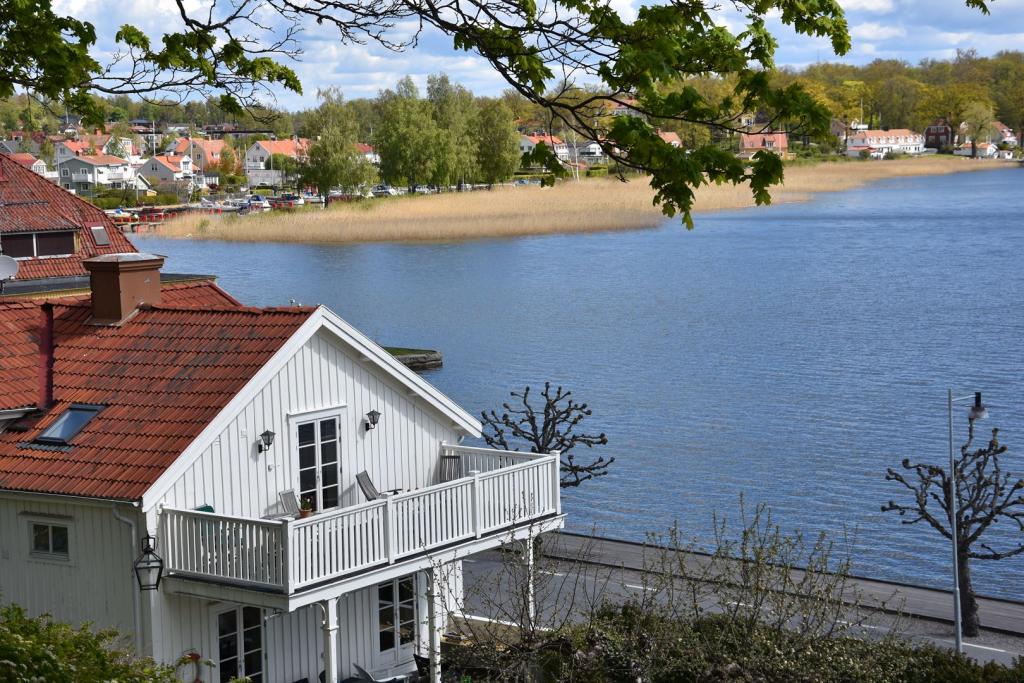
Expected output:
(120, 283)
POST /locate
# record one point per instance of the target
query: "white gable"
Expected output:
(326, 368)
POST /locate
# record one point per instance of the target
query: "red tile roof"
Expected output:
(171, 162)
(162, 376)
(31, 203)
(102, 159)
(23, 158)
(549, 140)
(212, 148)
(19, 340)
(749, 141)
(291, 148)
(364, 148)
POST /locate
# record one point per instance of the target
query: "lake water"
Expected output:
(788, 353)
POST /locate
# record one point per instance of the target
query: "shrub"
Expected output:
(40, 649)
(597, 172)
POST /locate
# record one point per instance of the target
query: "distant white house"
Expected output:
(986, 150)
(260, 152)
(527, 143)
(167, 168)
(30, 162)
(368, 152)
(90, 172)
(878, 143)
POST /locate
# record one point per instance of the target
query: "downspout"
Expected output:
(136, 603)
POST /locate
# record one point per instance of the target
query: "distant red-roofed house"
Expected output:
(882, 142)
(671, 137)
(1003, 134)
(30, 162)
(986, 150)
(201, 151)
(752, 143)
(259, 152)
(90, 172)
(49, 230)
(368, 152)
(527, 143)
(155, 451)
(164, 168)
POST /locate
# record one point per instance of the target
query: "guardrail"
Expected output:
(505, 490)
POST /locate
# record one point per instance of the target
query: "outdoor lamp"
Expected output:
(266, 441)
(978, 410)
(372, 418)
(149, 566)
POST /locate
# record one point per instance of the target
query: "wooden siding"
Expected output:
(97, 582)
(402, 452)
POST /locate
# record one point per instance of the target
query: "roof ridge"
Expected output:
(227, 308)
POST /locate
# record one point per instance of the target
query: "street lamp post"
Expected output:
(978, 412)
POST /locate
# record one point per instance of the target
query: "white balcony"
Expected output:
(499, 493)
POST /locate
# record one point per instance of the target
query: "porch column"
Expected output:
(529, 562)
(329, 627)
(433, 630)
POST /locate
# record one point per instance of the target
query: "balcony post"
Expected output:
(285, 557)
(389, 528)
(434, 631)
(478, 512)
(556, 485)
(329, 626)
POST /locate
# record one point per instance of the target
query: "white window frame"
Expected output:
(338, 412)
(31, 520)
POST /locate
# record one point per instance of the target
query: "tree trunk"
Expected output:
(968, 603)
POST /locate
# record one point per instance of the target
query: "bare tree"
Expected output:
(985, 494)
(546, 430)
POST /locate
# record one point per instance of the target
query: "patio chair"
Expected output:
(363, 675)
(369, 490)
(289, 501)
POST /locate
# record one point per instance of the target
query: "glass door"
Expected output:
(396, 621)
(318, 463)
(240, 645)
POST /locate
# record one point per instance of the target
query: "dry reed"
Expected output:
(589, 206)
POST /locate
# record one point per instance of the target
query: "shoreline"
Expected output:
(595, 205)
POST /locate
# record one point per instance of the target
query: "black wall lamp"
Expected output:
(266, 440)
(372, 418)
(148, 566)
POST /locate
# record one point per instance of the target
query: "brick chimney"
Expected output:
(120, 283)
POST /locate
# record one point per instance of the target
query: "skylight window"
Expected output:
(72, 421)
(100, 236)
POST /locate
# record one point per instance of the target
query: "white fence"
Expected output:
(504, 490)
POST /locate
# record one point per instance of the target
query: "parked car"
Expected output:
(384, 191)
(424, 189)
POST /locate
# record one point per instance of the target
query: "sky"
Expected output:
(909, 30)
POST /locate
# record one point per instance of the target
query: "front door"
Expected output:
(396, 621)
(318, 462)
(240, 645)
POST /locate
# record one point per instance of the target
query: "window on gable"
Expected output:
(71, 421)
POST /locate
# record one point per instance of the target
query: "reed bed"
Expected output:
(588, 206)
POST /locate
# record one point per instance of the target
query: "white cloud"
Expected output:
(874, 31)
(877, 6)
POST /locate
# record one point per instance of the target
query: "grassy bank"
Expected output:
(589, 206)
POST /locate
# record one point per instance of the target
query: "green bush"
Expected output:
(113, 200)
(40, 649)
(597, 172)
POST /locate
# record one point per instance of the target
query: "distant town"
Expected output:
(402, 141)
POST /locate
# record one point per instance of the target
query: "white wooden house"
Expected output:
(140, 413)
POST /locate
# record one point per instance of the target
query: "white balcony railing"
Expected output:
(500, 490)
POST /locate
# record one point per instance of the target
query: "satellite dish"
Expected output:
(8, 267)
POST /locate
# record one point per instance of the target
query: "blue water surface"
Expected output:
(790, 353)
